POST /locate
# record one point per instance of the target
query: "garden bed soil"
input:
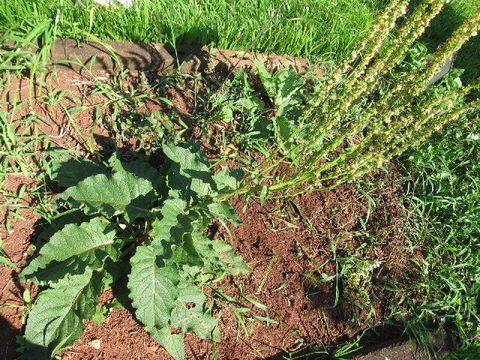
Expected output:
(281, 241)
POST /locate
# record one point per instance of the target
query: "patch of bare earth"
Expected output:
(16, 240)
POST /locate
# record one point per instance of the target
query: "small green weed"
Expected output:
(338, 352)
(352, 280)
(3, 259)
(24, 156)
(258, 121)
(356, 278)
(125, 112)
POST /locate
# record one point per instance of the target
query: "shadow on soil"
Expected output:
(379, 342)
(8, 343)
(9, 348)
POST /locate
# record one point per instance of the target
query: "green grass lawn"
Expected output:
(322, 29)
(469, 57)
(319, 29)
(445, 205)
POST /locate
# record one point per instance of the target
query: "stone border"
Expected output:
(163, 59)
(111, 56)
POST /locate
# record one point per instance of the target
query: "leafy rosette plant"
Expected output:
(141, 224)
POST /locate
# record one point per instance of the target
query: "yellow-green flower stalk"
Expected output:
(413, 28)
(417, 80)
(357, 121)
(365, 50)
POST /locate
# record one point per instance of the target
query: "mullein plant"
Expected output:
(357, 119)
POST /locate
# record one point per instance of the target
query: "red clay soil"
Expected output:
(16, 242)
(281, 242)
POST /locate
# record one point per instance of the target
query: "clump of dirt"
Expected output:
(282, 242)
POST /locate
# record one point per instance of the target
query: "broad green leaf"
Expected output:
(67, 217)
(162, 298)
(266, 78)
(228, 180)
(283, 87)
(218, 256)
(189, 170)
(185, 253)
(188, 158)
(123, 193)
(288, 96)
(172, 210)
(283, 129)
(171, 233)
(250, 103)
(71, 250)
(173, 343)
(56, 318)
(190, 314)
(223, 210)
(74, 170)
(153, 288)
(139, 168)
(233, 263)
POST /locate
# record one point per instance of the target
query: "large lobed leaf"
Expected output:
(227, 180)
(71, 250)
(171, 233)
(190, 314)
(163, 298)
(189, 171)
(123, 193)
(173, 343)
(153, 288)
(284, 89)
(56, 318)
(172, 211)
(224, 211)
(139, 168)
(71, 172)
(218, 257)
(164, 274)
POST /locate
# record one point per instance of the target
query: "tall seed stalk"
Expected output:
(353, 125)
